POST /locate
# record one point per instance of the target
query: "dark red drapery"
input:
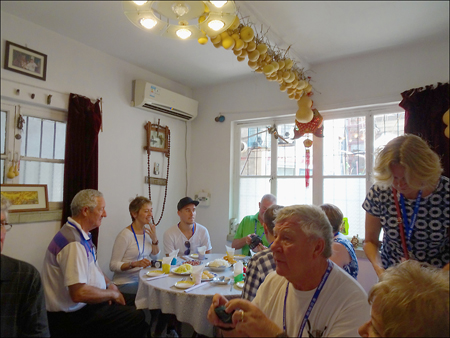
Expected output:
(424, 109)
(81, 154)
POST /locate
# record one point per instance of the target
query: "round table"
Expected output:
(189, 307)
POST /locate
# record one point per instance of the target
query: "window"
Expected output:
(38, 136)
(342, 162)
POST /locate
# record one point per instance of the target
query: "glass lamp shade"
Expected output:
(183, 33)
(216, 24)
(174, 32)
(227, 19)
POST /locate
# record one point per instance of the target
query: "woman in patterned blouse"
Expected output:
(410, 202)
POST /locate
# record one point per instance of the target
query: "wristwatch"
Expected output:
(131, 265)
(156, 243)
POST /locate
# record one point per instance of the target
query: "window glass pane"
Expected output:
(344, 146)
(255, 151)
(32, 172)
(32, 137)
(60, 140)
(291, 159)
(292, 191)
(348, 194)
(388, 127)
(3, 132)
(48, 137)
(250, 192)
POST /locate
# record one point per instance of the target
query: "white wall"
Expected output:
(77, 68)
(362, 80)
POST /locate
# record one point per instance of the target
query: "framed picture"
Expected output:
(157, 138)
(25, 61)
(26, 197)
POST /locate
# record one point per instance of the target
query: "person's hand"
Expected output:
(217, 301)
(249, 320)
(248, 239)
(143, 263)
(259, 248)
(117, 295)
(151, 232)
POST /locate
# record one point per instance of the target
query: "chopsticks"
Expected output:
(162, 276)
(195, 287)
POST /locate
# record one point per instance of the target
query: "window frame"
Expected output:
(317, 175)
(13, 110)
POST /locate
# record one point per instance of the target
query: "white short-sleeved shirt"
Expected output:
(341, 308)
(174, 239)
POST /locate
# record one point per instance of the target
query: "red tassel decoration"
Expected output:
(307, 143)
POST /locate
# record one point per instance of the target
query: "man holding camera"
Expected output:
(251, 230)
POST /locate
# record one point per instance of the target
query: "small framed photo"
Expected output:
(26, 197)
(25, 61)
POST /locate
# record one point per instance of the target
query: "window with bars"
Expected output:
(340, 167)
(40, 142)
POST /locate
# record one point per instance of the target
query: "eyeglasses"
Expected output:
(187, 244)
(6, 226)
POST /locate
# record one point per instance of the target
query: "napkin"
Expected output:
(195, 287)
(230, 252)
(174, 255)
(152, 278)
(196, 273)
(238, 272)
(201, 252)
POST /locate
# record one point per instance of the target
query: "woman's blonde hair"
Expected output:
(413, 300)
(422, 165)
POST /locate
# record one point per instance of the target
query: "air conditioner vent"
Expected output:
(170, 111)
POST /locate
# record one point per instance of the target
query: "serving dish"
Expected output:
(221, 280)
(185, 284)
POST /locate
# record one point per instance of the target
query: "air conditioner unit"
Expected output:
(159, 100)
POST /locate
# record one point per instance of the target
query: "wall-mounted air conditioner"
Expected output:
(159, 100)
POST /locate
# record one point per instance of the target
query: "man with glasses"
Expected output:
(187, 235)
(23, 311)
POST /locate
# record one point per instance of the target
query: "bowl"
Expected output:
(217, 268)
(221, 280)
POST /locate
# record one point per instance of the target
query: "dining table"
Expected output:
(189, 306)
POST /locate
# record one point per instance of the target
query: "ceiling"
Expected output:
(317, 31)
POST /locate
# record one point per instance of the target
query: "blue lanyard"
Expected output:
(313, 300)
(143, 242)
(256, 222)
(193, 228)
(89, 243)
(410, 227)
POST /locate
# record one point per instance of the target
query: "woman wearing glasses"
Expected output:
(187, 235)
(134, 247)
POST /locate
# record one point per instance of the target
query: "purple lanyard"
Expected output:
(410, 227)
(313, 300)
(143, 242)
(91, 249)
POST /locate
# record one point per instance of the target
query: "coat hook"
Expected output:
(49, 99)
(17, 91)
(32, 96)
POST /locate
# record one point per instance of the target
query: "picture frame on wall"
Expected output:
(25, 61)
(26, 197)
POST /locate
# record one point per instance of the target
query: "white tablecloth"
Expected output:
(189, 307)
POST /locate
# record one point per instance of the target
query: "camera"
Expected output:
(224, 317)
(256, 240)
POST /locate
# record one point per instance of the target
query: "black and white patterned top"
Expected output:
(430, 239)
(259, 266)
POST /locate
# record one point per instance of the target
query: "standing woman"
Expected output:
(410, 202)
(133, 246)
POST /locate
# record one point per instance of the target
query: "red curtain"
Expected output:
(81, 154)
(424, 109)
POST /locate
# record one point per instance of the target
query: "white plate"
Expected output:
(184, 284)
(180, 273)
(195, 256)
(154, 273)
(238, 257)
(240, 284)
(217, 268)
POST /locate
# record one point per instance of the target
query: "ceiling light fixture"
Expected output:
(198, 17)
